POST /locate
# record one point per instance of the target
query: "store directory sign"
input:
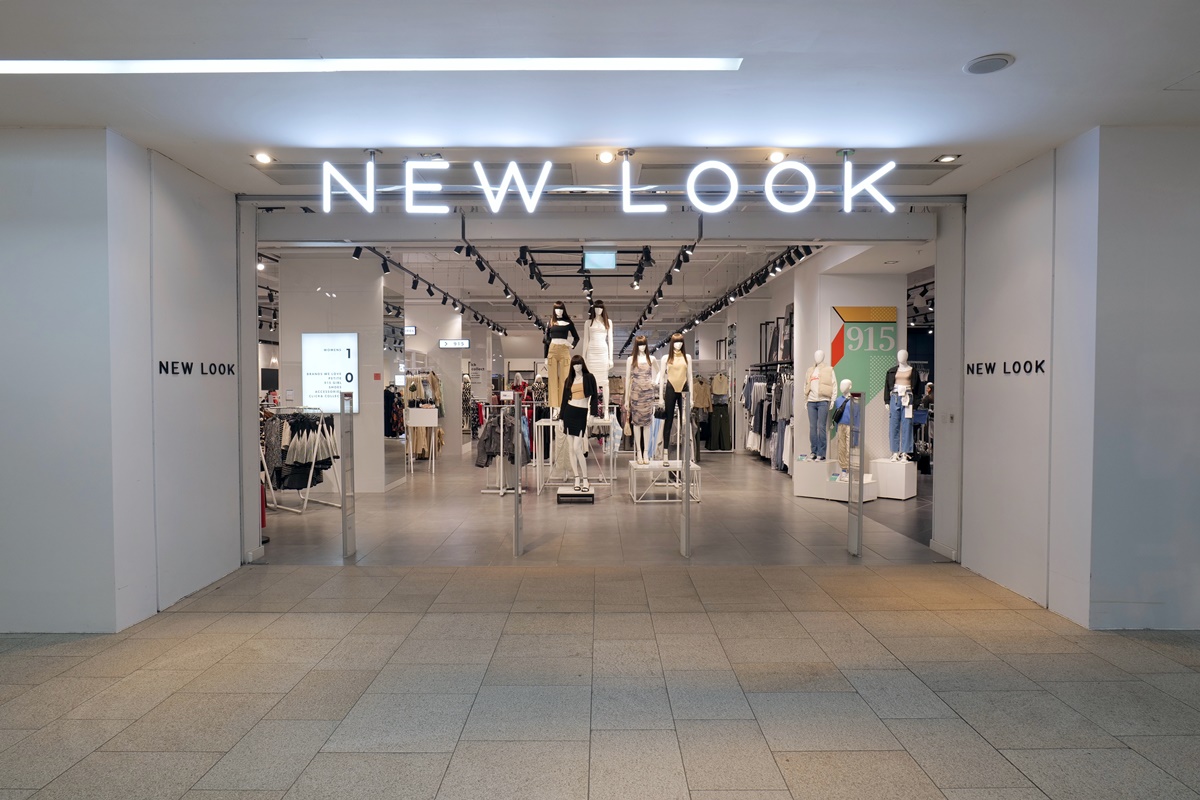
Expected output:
(329, 366)
(454, 344)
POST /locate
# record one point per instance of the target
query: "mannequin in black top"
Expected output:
(558, 351)
(580, 400)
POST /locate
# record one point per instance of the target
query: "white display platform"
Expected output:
(897, 479)
(819, 479)
(652, 483)
(811, 478)
(567, 494)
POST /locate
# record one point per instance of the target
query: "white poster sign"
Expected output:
(329, 365)
(454, 344)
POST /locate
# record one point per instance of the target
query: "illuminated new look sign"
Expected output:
(420, 198)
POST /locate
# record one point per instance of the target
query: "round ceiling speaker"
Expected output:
(985, 65)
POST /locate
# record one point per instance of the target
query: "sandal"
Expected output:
(578, 488)
(587, 486)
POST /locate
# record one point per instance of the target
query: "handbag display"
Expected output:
(660, 411)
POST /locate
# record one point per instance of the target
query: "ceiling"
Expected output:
(877, 75)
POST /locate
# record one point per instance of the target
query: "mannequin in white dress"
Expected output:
(598, 350)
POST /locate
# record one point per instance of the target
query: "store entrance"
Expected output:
(449, 337)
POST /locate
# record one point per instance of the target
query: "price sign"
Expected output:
(329, 366)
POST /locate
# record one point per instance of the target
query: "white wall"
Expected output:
(56, 479)
(1006, 420)
(197, 479)
(358, 308)
(1145, 507)
(948, 350)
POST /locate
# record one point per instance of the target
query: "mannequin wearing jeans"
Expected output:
(819, 386)
(900, 405)
(675, 379)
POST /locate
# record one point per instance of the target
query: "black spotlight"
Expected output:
(429, 289)
(384, 266)
(444, 299)
(458, 248)
(507, 293)
(415, 283)
(479, 264)
(357, 254)
(791, 258)
(491, 278)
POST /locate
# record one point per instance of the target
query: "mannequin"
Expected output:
(820, 383)
(558, 351)
(641, 376)
(841, 411)
(674, 381)
(580, 398)
(598, 349)
(901, 385)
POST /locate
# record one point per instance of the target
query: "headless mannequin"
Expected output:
(843, 431)
(641, 433)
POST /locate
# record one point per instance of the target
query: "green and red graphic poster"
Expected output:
(864, 346)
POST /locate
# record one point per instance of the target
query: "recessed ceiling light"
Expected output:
(776, 157)
(947, 158)
(261, 266)
(985, 65)
(891, 262)
(605, 157)
(263, 158)
(249, 66)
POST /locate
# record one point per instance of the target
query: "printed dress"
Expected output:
(643, 394)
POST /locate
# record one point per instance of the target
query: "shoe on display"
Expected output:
(587, 486)
(811, 457)
(578, 488)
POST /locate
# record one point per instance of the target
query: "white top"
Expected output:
(595, 335)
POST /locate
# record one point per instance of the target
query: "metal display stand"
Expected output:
(854, 526)
(349, 540)
(324, 434)
(546, 430)
(422, 418)
(501, 486)
(661, 487)
(518, 514)
(685, 519)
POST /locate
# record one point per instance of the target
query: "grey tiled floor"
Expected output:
(747, 515)
(701, 683)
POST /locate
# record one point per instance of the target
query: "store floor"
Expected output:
(622, 683)
(747, 515)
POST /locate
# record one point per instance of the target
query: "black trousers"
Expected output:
(674, 400)
(720, 435)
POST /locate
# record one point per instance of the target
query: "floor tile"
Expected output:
(195, 722)
(954, 756)
(342, 586)
(1181, 686)
(122, 659)
(937, 648)
(856, 651)
(130, 776)
(891, 624)
(132, 697)
(820, 721)
(751, 795)
(311, 626)
(429, 679)
(727, 755)
(897, 694)
(1097, 775)
(40, 758)
(176, 626)
(636, 764)
(200, 794)
(370, 776)
(459, 626)
(626, 658)
(630, 704)
(446, 651)
(680, 651)
(1043, 667)
(1129, 708)
(530, 713)
(1021, 720)
(791, 677)
(401, 723)
(757, 651)
(516, 771)
(545, 645)
(706, 694)
(993, 794)
(240, 623)
(757, 625)
(281, 651)
(682, 622)
(271, 756)
(1179, 756)
(550, 623)
(853, 776)
(623, 626)
(361, 651)
(971, 676)
(323, 695)
(247, 679)
(42, 704)
(519, 671)
(199, 652)
(386, 624)
(1128, 655)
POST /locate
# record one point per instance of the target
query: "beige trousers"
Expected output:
(558, 364)
(843, 442)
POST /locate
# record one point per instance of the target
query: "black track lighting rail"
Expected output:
(681, 256)
(483, 265)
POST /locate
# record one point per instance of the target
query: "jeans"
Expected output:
(673, 400)
(900, 426)
(818, 421)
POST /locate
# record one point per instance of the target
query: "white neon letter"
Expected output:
(409, 187)
(495, 197)
(867, 185)
(773, 175)
(329, 174)
(711, 208)
(627, 196)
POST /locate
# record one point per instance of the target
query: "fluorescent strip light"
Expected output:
(216, 66)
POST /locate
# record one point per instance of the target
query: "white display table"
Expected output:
(651, 483)
(819, 479)
(897, 479)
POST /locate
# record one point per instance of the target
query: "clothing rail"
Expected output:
(500, 410)
(324, 434)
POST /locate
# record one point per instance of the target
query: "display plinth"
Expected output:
(840, 490)
(897, 479)
(811, 478)
(568, 494)
(659, 482)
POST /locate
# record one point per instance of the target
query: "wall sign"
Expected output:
(454, 344)
(418, 193)
(410, 330)
(329, 366)
(1026, 367)
(194, 368)
(863, 347)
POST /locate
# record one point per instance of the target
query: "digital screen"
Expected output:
(329, 366)
(596, 260)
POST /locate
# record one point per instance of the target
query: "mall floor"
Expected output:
(830, 682)
(747, 515)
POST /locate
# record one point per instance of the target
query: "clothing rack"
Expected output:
(709, 368)
(324, 434)
(500, 487)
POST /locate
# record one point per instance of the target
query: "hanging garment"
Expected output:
(720, 383)
(720, 432)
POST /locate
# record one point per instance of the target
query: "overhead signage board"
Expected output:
(421, 195)
(329, 366)
(410, 330)
(454, 344)
(599, 259)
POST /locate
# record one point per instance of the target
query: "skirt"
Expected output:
(643, 394)
(574, 419)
